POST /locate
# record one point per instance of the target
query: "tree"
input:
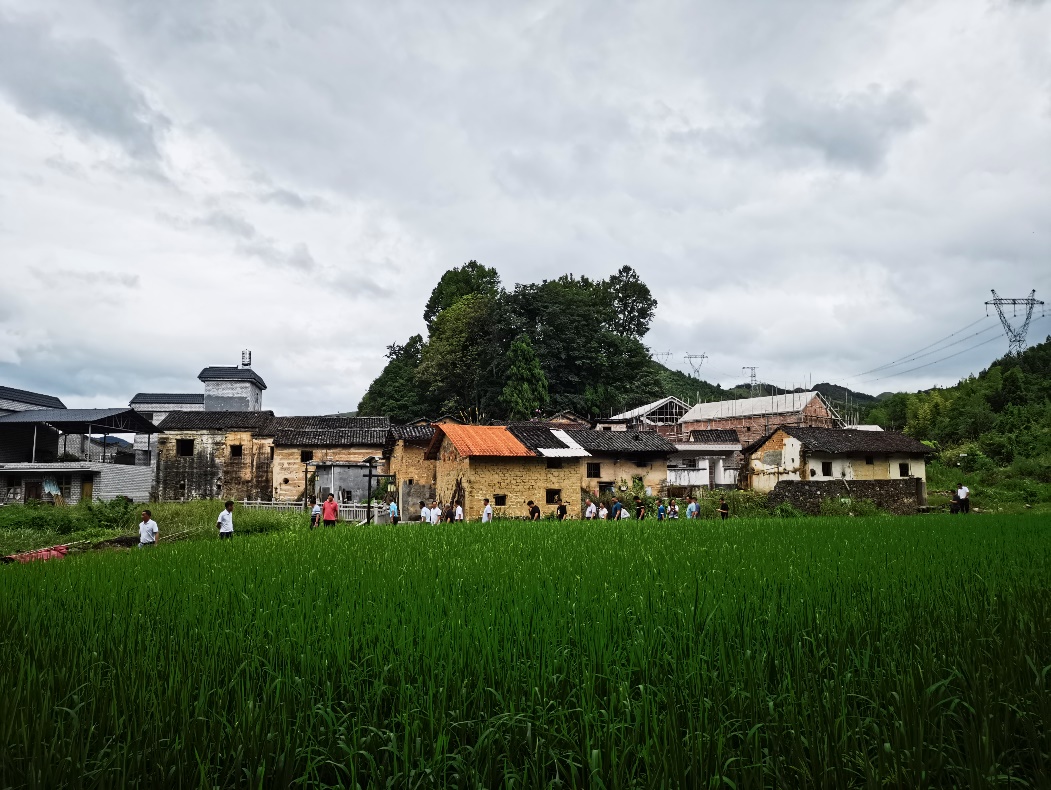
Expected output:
(458, 354)
(394, 393)
(526, 390)
(455, 284)
(632, 304)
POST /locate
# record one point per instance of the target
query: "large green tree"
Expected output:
(526, 391)
(455, 284)
(395, 393)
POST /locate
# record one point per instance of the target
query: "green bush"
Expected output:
(787, 510)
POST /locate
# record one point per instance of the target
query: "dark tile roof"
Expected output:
(259, 421)
(32, 398)
(412, 433)
(847, 441)
(220, 373)
(537, 435)
(622, 442)
(190, 398)
(330, 431)
(715, 436)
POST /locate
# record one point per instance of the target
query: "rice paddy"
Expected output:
(903, 652)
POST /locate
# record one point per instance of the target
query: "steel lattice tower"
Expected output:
(752, 380)
(1015, 336)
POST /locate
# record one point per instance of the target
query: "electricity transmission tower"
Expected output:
(752, 380)
(1015, 337)
(695, 361)
(662, 356)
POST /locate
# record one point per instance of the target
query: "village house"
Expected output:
(542, 462)
(662, 416)
(829, 454)
(155, 406)
(755, 417)
(405, 451)
(215, 454)
(704, 459)
(334, 451)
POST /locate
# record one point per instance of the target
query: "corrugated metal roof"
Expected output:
(749, 407)
(220, 373)
(182, 398)
(120, 420)
(483, 440)
(642, 411)
(32, 398)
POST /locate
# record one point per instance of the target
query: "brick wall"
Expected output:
(520, 480)
(903, 496)
(814, 415)
(232, 396)
(407, 463)
(622, 471)
(288, 465)
(211, 472)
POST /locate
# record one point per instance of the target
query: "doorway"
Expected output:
(34, 490)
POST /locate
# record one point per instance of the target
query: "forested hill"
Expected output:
(998, 416)
(495, 353)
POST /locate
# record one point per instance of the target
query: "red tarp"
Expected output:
(52, 553)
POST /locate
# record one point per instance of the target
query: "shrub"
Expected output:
(787, 510)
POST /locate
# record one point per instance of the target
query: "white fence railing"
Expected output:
(347, 512)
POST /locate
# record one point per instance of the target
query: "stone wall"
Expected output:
(212, 472)
(902, 497)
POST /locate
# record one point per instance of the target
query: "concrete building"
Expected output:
(12, 399)
(704, 459)
(662, 415)
(829, 454)
(752, 418)
(232, 388)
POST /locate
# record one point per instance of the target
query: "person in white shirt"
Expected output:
(590, 511)
(425, 513)
(624, 513)
(436, 513)
(225, 522)
(673, 509)
(315, 514)
(964, 493)
(603, 513)
(148, 532)
(458, 515)
(487, 511)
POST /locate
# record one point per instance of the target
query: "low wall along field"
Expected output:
(900, 497)
(899, 652)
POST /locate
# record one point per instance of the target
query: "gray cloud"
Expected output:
(81, 278)
(257, 245)
(77, 82)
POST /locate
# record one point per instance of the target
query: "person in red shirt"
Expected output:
(330, 511)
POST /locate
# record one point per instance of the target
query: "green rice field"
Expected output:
(837, 652)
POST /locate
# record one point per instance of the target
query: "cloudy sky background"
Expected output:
(815, 188)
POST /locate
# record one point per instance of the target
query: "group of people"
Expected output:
(617, 510)
(436, 514)
(150, 533)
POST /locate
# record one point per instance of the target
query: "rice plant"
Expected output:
(833, 652)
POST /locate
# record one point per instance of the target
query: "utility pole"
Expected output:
(752, 379)
(1015, 337)
(695, 361)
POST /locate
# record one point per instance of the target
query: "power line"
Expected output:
(912, 354)
(963, 339)
(935, 362)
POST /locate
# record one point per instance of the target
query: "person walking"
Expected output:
(590, 511)
(487, 512)
(603, 513)
(458, 513)
(965, 498)
(561, 511)
(616, 509)
(640, 509)
(436, 513)
(225, 522)
(330, 511)
(724, 508)
(693, 509)
(393, 510)
(662, 512)
(425, 513)
(148, 531)
(673, 510)
(315, 514)
(534, 511)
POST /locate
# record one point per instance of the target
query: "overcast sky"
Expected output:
(814, 188)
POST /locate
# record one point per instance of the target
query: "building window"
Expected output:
(594, 470)
(284, 481)
(500, 500)
(903, 470)
(554, 463)
(409, 481)
(688, 463)
(642, 464)
(146, 415)
(306, 456)
(554, 496)
(65, 485)
(237, 451)
(184, 448)
(869, 461)
(826, 469)
(14, 481)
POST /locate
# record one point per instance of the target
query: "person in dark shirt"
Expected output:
(614, 512)
(534, 511)
(560, 511)
(640, 509)
(724, 508)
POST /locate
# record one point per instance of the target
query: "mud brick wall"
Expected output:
(902, 497)
(212, 472)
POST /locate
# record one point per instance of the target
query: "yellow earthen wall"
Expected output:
(287, 465)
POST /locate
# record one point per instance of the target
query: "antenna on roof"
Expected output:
(246, 358)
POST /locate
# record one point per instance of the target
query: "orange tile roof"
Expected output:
(484, 440)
